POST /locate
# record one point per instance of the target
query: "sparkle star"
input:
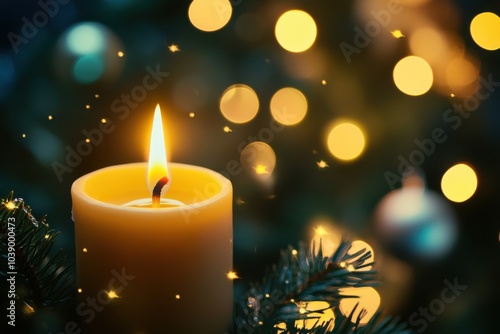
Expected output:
(261, 169)
(174, 48)
(397, 33)
(322, 164)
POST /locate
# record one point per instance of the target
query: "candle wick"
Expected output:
(157, 191)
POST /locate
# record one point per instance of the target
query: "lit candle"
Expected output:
(146, 269)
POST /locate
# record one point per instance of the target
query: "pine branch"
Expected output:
(44, 278)
(303, 275)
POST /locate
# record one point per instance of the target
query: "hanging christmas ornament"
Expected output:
(415, 223)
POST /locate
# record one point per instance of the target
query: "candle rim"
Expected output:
(79, 184)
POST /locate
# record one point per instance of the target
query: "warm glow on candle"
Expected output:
(157, 167)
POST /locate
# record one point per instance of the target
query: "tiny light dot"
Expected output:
(177, 296)
(240, 201)
(342, 264)
(112, 294)
(294, 252)
(80, 290)
(191, 114)
(302, 310)
(10, 205)
(104, 121)
(87, 106)
(47, 236)
(323, 82)
(397, 33)
(232, 275)
(267, 295)
(96, 96)
(261, 169)
(50, 117)
(322, 164)
(28, 309)
(85, 250)
(227, 129)
(87, 140)
(452, 95)
(120, 54)
(24, 135)
(291, 300)
(173, 48)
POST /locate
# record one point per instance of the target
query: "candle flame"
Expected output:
(157, 167)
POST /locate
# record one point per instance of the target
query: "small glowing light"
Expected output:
(302, 310)
(320, 231)
(96, 96)
(227, 129)
(80, 290)
(346, 141)
(288, 106)
(261, 169)
(232, 275)
(120, 54)
(112, 294)
(240, 201)
(177, 296)
(191, 114)
(267, 295)
(485, 30)
(27, 309)
(368, 302)
(47, 236)
(87, 106)
(397, 33)
(87, 140)
(173, 48)
(292, 300)
(323, 82)
(322, 164)
(459, 183)
(295, 252)
(85, 250)
(210, 15)
(24, 135)
(295, 31)
(342, 264)
(239, 104)
(104, 121)
(11, 205)
(413, 76)
(50, 117)
(452, 95)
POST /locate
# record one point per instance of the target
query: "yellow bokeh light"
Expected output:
(346, 141)
(357, 246)
(462, 76)
(485, 30)
(428, 43)
(80, 290)
(177, 296)
(317, 312)
(459, 183)
(288, 106)
(210, 15)
(120, 54)
(239, 104)
(295, 30)
(259, 158)
(85, 250)
(397, 33)
(24, 135)
(413, 76)
(369, 300)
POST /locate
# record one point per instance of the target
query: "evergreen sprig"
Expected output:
(304, 275)
(43, 278)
